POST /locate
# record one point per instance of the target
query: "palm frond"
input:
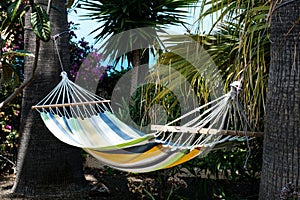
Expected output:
(238, 46)
(118, 16)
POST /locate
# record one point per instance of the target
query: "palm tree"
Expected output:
(115, 17)
(282, 122)
(45, 166)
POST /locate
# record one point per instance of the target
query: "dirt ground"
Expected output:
(113, 185)
(6, 183)
(101, 185)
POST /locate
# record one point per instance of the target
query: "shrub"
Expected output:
(9, 132)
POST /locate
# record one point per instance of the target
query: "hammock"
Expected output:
(80, 118)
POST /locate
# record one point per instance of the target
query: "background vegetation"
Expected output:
(238, 43)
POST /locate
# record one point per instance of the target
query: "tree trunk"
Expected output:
(46, 166)
(281, 156)
(140, 60)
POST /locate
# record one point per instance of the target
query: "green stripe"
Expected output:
(125, 144)
(171, 161)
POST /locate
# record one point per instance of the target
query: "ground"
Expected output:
(101, 186)
(108, 184)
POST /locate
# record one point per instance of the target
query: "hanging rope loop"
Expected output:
(54, 38)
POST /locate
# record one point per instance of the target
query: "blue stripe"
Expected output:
(67, 124)
(51, 116)
(137, 131)
(115, 128)
(114, 118)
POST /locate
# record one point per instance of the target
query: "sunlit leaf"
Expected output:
(18, 53)
(13, 10)
(40, 23)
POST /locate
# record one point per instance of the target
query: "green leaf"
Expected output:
(13, 17)
(13, 9)
(18, 53)
(40, 23)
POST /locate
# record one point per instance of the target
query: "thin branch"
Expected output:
(4, 158)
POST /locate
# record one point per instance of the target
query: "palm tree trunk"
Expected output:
(281, 156)
(45, 166)
(140, 57)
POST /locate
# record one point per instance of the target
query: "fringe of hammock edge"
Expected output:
(179, 129)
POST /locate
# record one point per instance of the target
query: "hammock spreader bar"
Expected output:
(70, 104)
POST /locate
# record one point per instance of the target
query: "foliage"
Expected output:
(11, 16)
(86, 63)
(218, 175)
(156, 186)
(40, 23)
(239, 47)
(119, 16)
(11, 41)
(108, 81)
(143, 187)
(79, 50)
(230, 164)
(145, 100)
(9, 121)
(12, 62)
(13, 12)
(12, 55)
(125, 19)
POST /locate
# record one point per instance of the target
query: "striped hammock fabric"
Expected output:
(124, 148)
(82, 119)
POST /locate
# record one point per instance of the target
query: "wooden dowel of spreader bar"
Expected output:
(204, 131)
(69, 104)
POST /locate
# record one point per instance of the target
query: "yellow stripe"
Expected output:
(150, 153)
(192, 154)
(118, 158)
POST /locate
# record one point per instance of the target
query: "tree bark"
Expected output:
(281, 155)
(139, 58)
(46, 167)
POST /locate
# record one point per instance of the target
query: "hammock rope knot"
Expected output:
(64, 75)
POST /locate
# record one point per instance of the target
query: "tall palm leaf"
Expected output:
(239, 47)
(243, 48)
